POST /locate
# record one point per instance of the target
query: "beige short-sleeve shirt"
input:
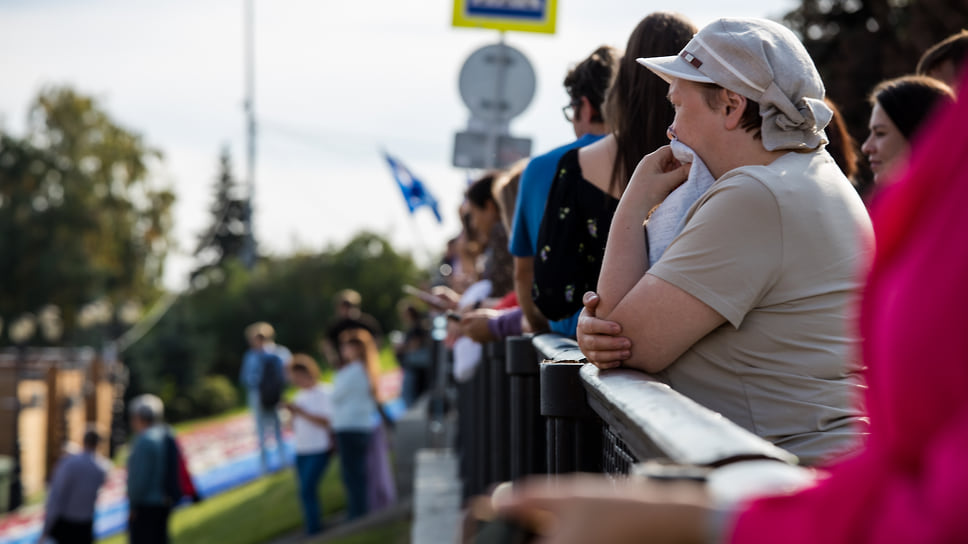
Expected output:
(780, 251)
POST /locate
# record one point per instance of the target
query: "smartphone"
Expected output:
(426, 296)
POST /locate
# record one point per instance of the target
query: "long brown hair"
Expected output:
(636, 108)
(362, 339)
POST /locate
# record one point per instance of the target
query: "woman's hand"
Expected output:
(474, 325)
(599, 339)
(585, 508)
(657, 175)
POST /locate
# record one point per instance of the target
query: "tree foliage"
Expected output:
(858, 43)
(80, 218)
(202, 335)
(225, 238)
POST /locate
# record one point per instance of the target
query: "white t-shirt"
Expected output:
(310, 437)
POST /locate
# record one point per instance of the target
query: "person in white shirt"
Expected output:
(312, 435)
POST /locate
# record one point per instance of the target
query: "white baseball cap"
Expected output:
(765, 62)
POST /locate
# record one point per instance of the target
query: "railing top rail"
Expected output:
(641, 409)
(558, 349)
(648, 414)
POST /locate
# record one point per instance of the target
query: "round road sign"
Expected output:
(497, 82)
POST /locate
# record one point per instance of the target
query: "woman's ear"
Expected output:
(734, 104)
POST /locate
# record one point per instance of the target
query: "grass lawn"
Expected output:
(394, 532)
(192, 424)
(266, 508)
(250, 514)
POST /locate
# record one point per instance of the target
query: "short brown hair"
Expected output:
(260, 329)
(954, 48)
(591, 77)
(751, 121)
(349, 297)
(304, 363)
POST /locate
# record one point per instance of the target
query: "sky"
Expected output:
(336, 83)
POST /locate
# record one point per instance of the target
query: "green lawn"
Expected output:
(268, 507)
(192, 424)
(394, 532)
(250, 514)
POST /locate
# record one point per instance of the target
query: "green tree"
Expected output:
(858, 43)
(80, 217)
(225, 238)
(202, 335)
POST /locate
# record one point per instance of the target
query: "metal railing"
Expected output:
(534, 407)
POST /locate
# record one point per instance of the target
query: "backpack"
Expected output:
(272, 382)
(172, 478)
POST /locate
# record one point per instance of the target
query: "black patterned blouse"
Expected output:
(571, 240)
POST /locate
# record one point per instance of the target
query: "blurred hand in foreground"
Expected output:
(586, 508)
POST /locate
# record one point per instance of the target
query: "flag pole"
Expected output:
(419, 241)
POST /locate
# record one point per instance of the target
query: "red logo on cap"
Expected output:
(691, 59)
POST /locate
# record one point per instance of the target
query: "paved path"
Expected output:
(436, 502)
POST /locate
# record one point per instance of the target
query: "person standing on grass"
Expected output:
(263, 378)
(355, 401)
(69, 513)
(150, 467)
(313, 436)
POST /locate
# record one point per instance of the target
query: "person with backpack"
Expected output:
(158, 476)
(263, 377)
(153, 486)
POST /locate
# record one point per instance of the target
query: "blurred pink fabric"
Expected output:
(910, 482)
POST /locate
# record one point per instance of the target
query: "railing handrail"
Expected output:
(649, 415)
(555, 348)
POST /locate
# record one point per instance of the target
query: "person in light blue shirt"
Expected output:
(261, 337)
(354, 403)
(69, 513)
(586, 85)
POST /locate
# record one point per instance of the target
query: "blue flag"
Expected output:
(414, 192)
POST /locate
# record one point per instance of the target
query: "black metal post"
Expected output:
(437, 407)
(16, 483)
(466, 436)
(573, 429)
(527, 441)
(499, 447)
(482, 425)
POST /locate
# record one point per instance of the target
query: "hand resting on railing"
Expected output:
(600, 340)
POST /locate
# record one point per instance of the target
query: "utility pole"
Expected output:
(249, 253)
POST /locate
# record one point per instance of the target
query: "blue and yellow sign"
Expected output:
(520, 15)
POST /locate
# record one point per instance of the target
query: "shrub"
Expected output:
(214, 395)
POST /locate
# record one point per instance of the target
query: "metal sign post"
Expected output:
(497, 83)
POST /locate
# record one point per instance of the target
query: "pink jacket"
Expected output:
(910, 483)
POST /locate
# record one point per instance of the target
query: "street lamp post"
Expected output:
(21, 331)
